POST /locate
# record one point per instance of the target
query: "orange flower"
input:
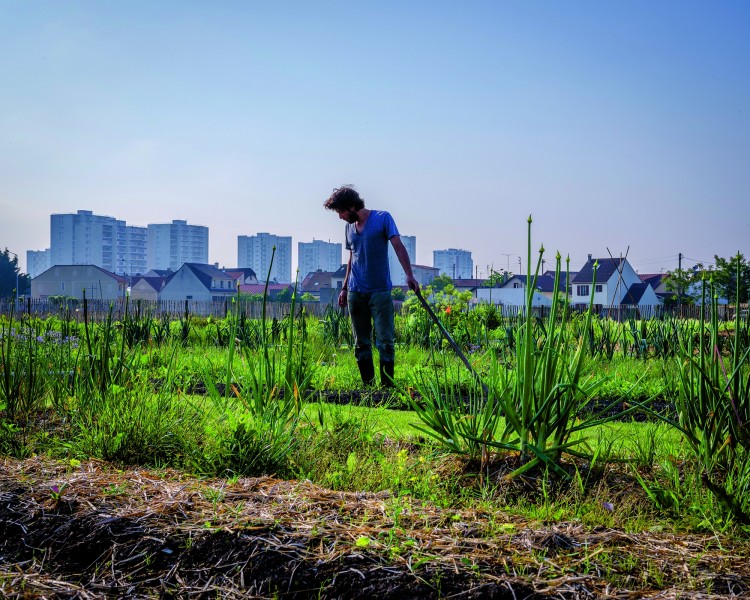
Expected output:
(447, 310)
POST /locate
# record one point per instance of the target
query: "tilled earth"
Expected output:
(92, 531)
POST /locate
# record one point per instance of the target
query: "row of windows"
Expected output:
(584, 290)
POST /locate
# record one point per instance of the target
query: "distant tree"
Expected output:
(725, 277)
(284, 295)
(251, 297)
(684, 284)
(440, 283)
(496, 279)
(10, 275)
(398, 294)
(308, 297)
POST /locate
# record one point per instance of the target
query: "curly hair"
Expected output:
(344, 198)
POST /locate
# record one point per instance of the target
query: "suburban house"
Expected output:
(197, 281)
(148, 287)
(658, 282)
(242, 275)
(337, 279)
(72, 280)
(614, 279)
(510, 296)
(545, 283)
(317, 281)
(424, 274)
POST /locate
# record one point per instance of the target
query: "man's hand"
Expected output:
(412, 283)
(343, 295)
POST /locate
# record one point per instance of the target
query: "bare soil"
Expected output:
(137, 533)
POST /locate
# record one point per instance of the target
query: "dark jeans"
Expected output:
(364, 310)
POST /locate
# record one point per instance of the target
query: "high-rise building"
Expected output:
(84, 238)
(398, 277)
(136, 251)
(255, 251)
(37, 262)
(170, 245)
(456, 264)
(317, 256)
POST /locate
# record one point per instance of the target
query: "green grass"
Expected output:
(135, 404)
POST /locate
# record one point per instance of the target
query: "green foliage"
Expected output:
(462, 423)
(262, 397)
(22, 381)
(123, 391)
(131, 425)
(540, 398)
(337, 328)
(11, 277)
(440, 283)
(713, 408)
(731, 278)
(683, 283)
(496, 279)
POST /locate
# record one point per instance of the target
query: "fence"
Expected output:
(98, 310)
(625, 313)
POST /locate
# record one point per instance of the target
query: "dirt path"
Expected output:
(139, 534)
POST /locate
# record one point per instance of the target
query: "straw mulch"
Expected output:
(139, 533)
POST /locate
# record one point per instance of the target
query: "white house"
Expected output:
(615, 277)
(510, 296)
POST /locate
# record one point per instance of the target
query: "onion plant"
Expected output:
(23, 381)
(713, 409)
(263, 394)
(540, 398)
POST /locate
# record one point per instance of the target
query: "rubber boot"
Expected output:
(367, 371)
(386, 374)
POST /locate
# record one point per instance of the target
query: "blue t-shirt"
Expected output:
(370, 271)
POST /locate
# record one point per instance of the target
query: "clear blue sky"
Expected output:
(616, 125)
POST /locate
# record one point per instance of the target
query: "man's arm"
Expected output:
(344, 293)
(403, 258)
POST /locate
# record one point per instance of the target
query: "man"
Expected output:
(367, 285)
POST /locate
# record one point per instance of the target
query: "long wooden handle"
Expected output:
(453, 344)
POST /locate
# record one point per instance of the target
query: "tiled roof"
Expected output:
(259, 288)
(240, 272)
(655, 279)
(316, 281)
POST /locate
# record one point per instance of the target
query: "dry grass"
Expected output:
(140, 533)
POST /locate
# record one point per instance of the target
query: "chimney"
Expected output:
(589, 258)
